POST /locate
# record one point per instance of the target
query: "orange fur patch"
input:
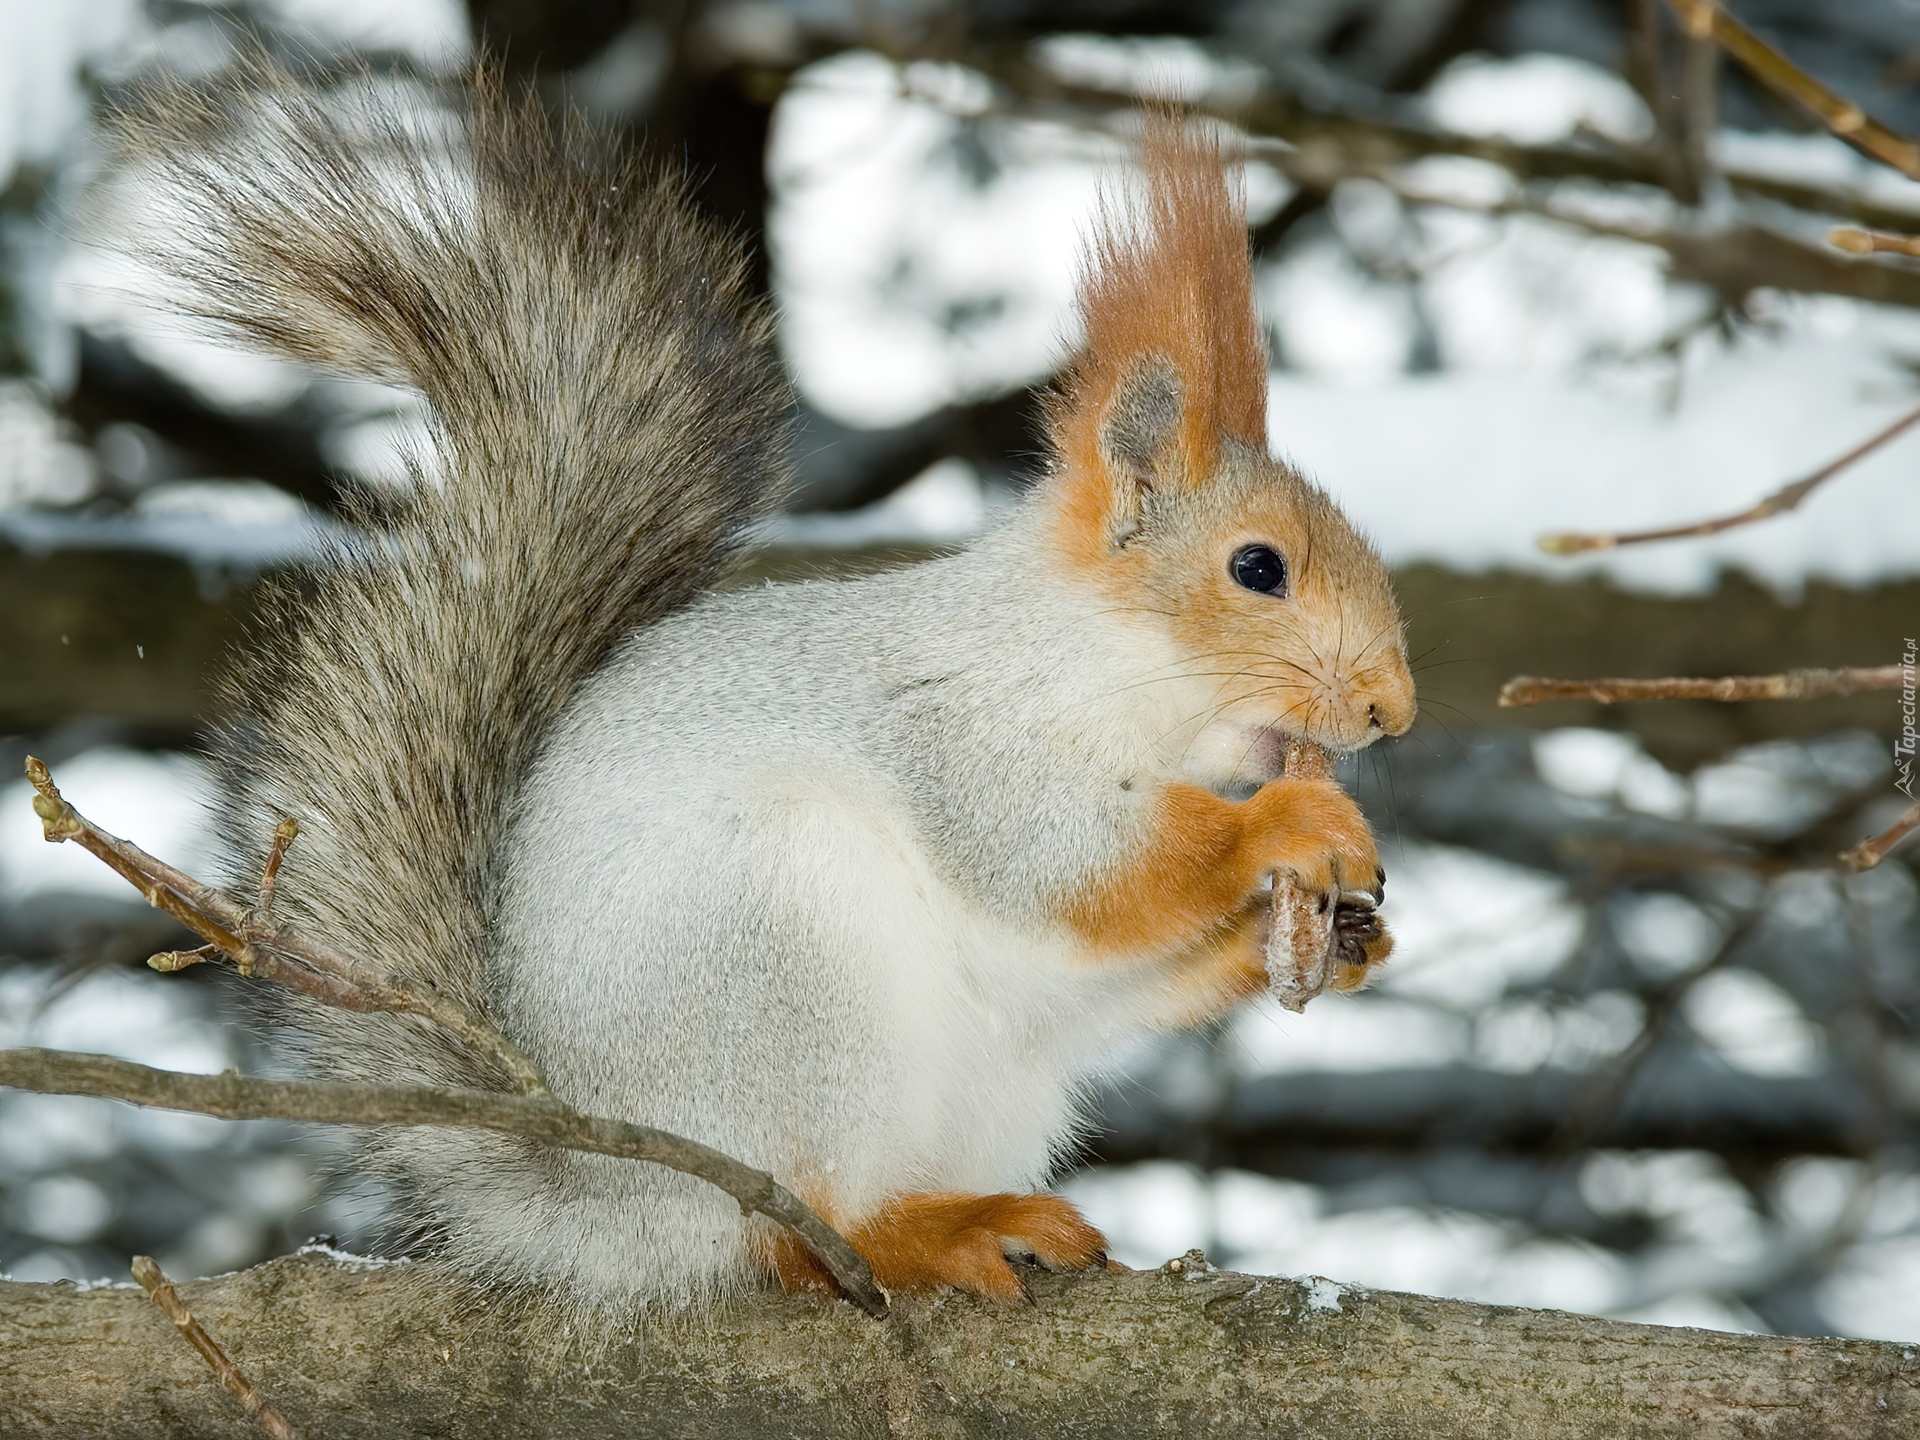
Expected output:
(1204, 857)
(942, 1238)
(1168, 279)
(1227, 966)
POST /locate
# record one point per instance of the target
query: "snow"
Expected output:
(1169, 66)
(1708, 1238)
(1279, 1227)
(923, 260)
(1469, 469)
(42, 51)
(135, 1017)
(1875, 1290)
(1754, 1024)
(1609, 765)
(1666, 935)
(1323, 1295)
(916, 268)
(1352, 1036)
(1467, 925)
(944, 504)
(1776, 789)
(62, 1208)
(1815, 159)
(432, 31)
(1536, 100)
(210, 544)
(38, 464)
(117, 294)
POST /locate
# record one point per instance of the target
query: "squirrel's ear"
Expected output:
(1172, 361)
(1138, 437)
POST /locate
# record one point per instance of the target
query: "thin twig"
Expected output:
(1792, 685)
(1869, 853)
(169, 961)
(160, 1290)
(1783, 77)
(263, 948)
(1785, 498)
(230, 1096)
(284, 834)
(1333, 143)
(1873, 242)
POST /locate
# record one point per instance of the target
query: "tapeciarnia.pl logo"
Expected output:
(1903, 748)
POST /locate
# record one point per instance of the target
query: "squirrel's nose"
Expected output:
(1391, 719)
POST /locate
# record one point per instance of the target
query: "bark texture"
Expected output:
(348, 1350)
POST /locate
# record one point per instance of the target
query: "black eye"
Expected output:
(1259, 567)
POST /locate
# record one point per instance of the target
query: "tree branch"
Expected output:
(230, 1096)
(1190, 1351)
(261, 947)
(1786, 498)
(1792, 685)
(1699, 108)
(1333, 144)
(1869, 853)
(1873, 242)
(160, 1290)
(1845, 119)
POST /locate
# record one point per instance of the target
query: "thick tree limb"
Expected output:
(393, 1351)
(229, 1096)
(1792, 685)
(259, 1409)
(1786, 498)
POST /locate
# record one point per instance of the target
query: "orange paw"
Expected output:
(943, 1239)
(1312, 830)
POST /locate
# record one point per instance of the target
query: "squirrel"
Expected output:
(860, 881)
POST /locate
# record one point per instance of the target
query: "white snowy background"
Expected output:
(1462, 383)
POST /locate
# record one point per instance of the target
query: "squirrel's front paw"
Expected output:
(1361, 945)
(1312, 832)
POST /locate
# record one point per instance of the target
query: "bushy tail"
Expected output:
(606, 422)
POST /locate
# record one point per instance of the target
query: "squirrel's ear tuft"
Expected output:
(1172, 359)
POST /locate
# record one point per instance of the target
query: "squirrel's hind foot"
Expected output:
(944, 1239)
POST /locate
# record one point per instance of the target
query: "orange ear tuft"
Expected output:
(1172, 336)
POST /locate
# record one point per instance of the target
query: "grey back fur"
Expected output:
(606, 424)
